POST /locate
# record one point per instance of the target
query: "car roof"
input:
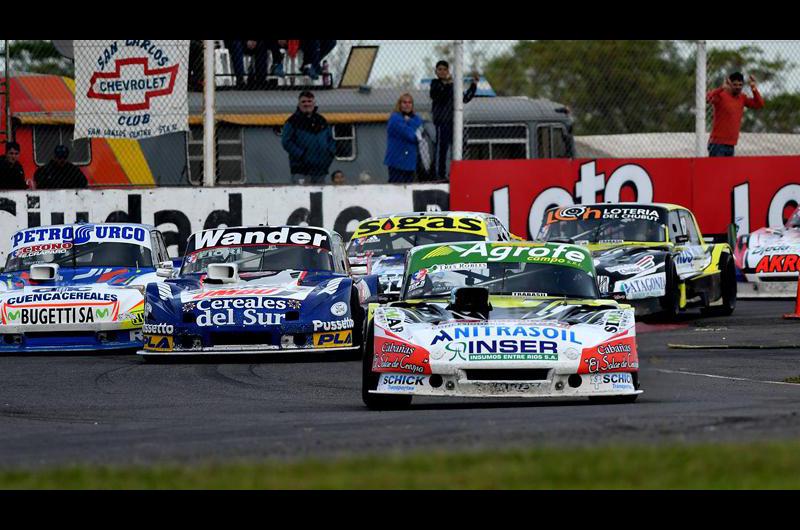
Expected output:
(665, 205)
(448, 213)
(142, 225)
(416, 249)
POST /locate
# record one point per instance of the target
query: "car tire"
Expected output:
(369, 381)
(728, 287)
(671, 301)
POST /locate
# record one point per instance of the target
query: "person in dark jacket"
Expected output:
(308, 139)
(442, 110)
(402, 141)
(59, 172)
(12, 176)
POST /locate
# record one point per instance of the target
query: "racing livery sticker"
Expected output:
(420, 223)
(616, 356)
(392, 355)
(286, 235)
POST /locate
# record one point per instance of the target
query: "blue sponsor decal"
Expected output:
(469, 332)
(80, 235)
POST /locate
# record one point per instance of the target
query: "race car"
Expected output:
(79, 287)
(652, 256)
(771, 254)
(255, 289)
(499, 319)
(379, 244)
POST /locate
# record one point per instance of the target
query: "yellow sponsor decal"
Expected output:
(158, 343)
(135, 321)
(441, 251)
(421, 223)
(333, 339)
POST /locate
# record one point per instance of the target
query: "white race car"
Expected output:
(771, 254)
(500, 319)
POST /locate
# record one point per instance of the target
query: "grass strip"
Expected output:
(713, 466)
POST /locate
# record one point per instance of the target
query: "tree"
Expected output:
(621, 87)
(38, 56)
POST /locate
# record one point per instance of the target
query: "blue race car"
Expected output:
(79, 287)
(257, 289)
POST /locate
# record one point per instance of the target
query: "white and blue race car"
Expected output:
(256, 289)
(78, 287)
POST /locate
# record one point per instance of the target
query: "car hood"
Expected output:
(764, 251)
(115, 276)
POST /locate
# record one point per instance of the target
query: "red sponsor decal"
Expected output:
(613, 356)
(162, 81)
(751, 192)
(393, 355)
(779, 263)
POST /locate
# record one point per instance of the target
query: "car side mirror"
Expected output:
(165, 269)
(682, 239)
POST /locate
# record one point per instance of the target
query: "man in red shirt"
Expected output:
(729, 103)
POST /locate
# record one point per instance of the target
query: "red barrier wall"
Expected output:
(751, 192)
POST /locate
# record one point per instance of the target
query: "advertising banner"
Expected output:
(178, 212)
(131, 88)
(751, 192)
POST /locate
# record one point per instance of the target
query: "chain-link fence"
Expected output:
(530, 99)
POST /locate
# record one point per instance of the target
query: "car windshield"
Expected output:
(603, 230)
(401, 242)
(518, 279)
(257, 258)
(66, 254)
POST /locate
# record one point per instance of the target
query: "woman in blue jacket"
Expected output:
(402, 141)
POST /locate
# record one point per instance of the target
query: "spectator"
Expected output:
(337, 178)
(196, 66)
(308, 139)
(729, 103)
(274, 47)
(403, 135)
(442, 110)
(59, 172)
(12, 176)
(258, 49)
(313, 53)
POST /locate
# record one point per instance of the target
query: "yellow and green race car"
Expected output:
(380, 244)
(652, 256)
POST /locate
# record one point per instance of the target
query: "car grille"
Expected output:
(526, 374)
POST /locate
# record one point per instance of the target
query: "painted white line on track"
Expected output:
(726, 377)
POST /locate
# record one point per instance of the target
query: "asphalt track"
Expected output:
(114, 409)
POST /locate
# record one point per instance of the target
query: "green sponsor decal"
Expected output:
(13, 315)
(502, 252)
(101, 313)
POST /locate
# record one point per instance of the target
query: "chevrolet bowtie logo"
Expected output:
(133, 84)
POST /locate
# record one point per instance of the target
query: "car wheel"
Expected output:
(728, 287)
(671, 301)
(369, 381)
